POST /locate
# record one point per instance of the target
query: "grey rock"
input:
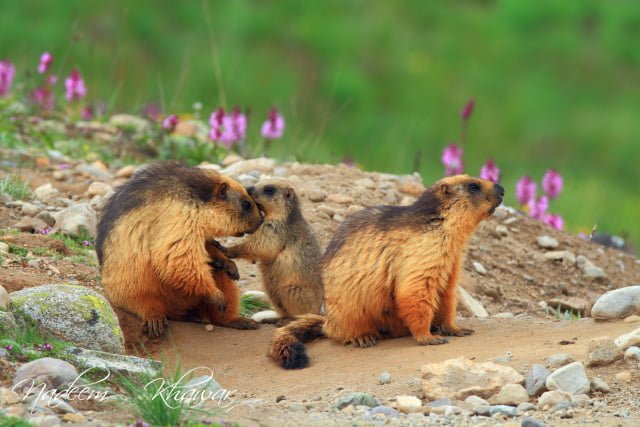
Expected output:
(76, 220)
(632, 353)
(440, 402)
(356, 399)
(4, 298)
(47, 218)
(94, 172)
(509, 411)
(550, 399)
(46, 192)
(385, 410)
(385, 378)
(602, 351)
(547, 242)
(571, 378)
(29, 209)
(510, 394)
(600, 385)
(30, 225)
(566, 257)
(54, 373)
(580, 400)
(535, 384)
(525, 407)
(532, 422)
(628, 340)
(560, 359)
(98, 188)
(7, 323)
(459, 378)
(117, 364)
(4, 354)
(588, 268)
(472, 305)
(478, 405)
(45, 421)
(48, 404)
(72, 313)
(617, 304)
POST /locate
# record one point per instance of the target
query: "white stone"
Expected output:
(632, 353)
(265, 315)
(98, 188)
(510, 394)
(552, 398)
(588, 268)
(471, 304)
(547, 242)
(4, 298)
(46, 192)
(571, 378)
(408, 404)
(617, 304)
(628, 340)
(479, 268)
(565, 257)
(77, 219)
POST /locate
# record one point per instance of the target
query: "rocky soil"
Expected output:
(535, 286)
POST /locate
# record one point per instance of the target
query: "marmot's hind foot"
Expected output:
(364, 341)
(155, 327)
(459, 332)
(432, 340)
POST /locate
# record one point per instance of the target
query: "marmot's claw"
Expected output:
(243, 323)
(432, 340)
(457, 332)
(155, 327)
(364, 341)
(227, 266)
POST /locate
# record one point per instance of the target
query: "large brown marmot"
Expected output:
(391, 271)
(287, 251)
(151, 245)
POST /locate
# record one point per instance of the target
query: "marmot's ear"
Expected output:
(446, 189)
(220, 190)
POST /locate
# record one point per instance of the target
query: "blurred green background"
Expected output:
(556, 83)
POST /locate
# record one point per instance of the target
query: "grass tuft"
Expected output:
(250, 304)
(15, 187)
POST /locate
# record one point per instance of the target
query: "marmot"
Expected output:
(391, 271)
(287, 251)
(151, 245)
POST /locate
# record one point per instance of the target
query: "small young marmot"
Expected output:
(286, 249)
(392, 271)
(152, 250)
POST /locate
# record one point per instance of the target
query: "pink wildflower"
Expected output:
(273, 128)
(170, 123)
(46, 59)
(74, 85)
(467, 110)
(490, 171)
(554, 221)
(239, 123)
(538, 207)
(7, 71)
(525, 190)
(452, 159)
(552, 183)
(87, 112)
(44, 97)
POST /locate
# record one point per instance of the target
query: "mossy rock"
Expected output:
(7, 324)
(74, 314)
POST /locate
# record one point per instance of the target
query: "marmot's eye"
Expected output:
(269, 189)
(474, 188)
(246, 205)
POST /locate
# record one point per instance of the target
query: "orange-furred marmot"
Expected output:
(151, 245)
(392, 271)
(287, 251)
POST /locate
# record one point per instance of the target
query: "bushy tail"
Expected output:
(287, 346)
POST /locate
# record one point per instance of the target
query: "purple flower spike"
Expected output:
(526, 190)
(467, 110)
(86, 243)
(538, 207)
(170, 123)
(452, 160)
(74, 86)
(490, 171)
(7, 71)
(239, 123)
(46, 59)
(552, 183)
(8, 347)
(273, 128)
(554, 221)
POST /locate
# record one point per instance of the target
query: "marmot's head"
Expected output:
(276, 198)
(234, 212)
(464, 199)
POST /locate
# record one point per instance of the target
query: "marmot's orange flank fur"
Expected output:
(391, 271)
(151, 245)
(287, 251)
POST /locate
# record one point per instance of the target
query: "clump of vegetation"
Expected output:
(15, 187)
(250, 304)
(27, 343)
(563, 315)
(13, 422)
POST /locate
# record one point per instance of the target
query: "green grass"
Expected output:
(13, 422)
(75, 243)
(25, 341)
(15, 187)
(556, 82)
(17, 250)
(250, 305)
(564, 315)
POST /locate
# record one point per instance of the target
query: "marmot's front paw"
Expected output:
(455, 332)
(431, 340)
(243, 323)
(226, 265)
(155, 327)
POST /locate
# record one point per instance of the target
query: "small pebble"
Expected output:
(479, 268)
(385, 378)
(208, 327)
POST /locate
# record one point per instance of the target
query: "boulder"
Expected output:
(53, 373)
(571, 378)
(77, 220)
(617, 304)
(71, 313)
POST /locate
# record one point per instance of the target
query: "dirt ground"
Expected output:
(517, 280)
